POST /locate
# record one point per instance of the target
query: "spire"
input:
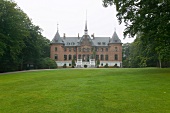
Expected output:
(57, 38)
(115, 38)
(86, 31)
(57, 26)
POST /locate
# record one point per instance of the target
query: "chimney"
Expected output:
(78, 36)
(64, 36)
(92, 35)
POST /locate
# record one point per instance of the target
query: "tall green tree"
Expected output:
(21, 42)
(151, 18)
(12, 30)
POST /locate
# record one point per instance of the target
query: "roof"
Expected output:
(115, 38)
(101, 41)
(57, 39)
(76, 41)
(71, 41)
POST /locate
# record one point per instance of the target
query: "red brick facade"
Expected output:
(107, 50)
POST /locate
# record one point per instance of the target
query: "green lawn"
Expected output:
(86, 91)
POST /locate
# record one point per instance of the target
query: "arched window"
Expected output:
(65, 57)
(70, 57)
(75, 57)
(106, 57)
(56, 57)
(55, 48)
(116, 49)
(79, 56)
(97, 57)
(116, 57)
(101, 57)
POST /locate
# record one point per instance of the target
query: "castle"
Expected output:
(86, 50)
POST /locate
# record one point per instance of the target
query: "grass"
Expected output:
(86, 91)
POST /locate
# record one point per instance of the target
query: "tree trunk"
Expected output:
(160, 63)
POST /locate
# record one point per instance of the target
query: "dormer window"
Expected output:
(103, 43)
(115, 40)
(99, 43)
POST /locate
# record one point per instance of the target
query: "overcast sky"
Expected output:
(71, 17)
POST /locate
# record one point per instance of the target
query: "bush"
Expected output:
(85, 66)
(115, 66)
(64, 66)
(106, 66)
(46, 63)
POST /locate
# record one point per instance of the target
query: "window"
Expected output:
(97, 57)
(116, 49)
(88, 57)
(106, 49)
(75, 57)
(101, 49)
(65, 49)
(84, 57)
(74, 49)
(106, 57)
(103, 43)
(69, 57)
(55, 48)
(99, 43)
(91, 49)
(96, 49)
(88, 49)
(116, 57)
(101, 57)
(70, 49)
(65, 57)
(79, 56)
(84, 49)
(79, 49)
(56, 57)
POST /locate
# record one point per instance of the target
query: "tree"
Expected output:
(12, 31)
(46, 63)
(151, 18)
(97, 62)
(73, 63)
(126, 54)
(21, 42)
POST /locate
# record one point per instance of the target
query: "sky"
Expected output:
(70, 15)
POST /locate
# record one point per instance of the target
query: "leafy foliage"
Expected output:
(97, 62)
(138, 54)
(149, 18)
(106, 66)
(73, 63)
(21, 42)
